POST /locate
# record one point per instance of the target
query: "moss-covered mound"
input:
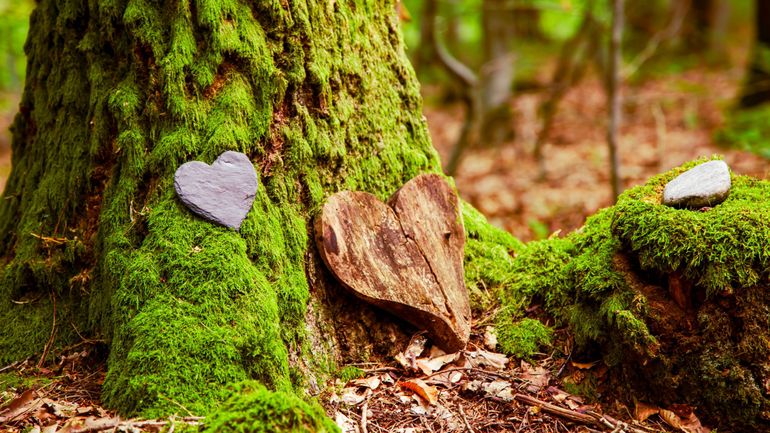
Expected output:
(677, 300)
(254, 409)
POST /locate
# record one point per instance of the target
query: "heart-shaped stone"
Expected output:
(221, 192)
(405, 257)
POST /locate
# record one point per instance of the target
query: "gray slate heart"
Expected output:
(221, 192)
(707, 184)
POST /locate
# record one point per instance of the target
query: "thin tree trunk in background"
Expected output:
(497, 72)
(426, 54)
(756, 89)
(613, 95)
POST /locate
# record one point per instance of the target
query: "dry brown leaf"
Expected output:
(482, 358)
(427, 392)
(372, 382)
(642, 411)
(584, 365)
(22, 405)
(670, 418)
(537, 377)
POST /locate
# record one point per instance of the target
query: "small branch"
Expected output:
(52, 337)
(588, 418)
(364, 409)
(465, 419)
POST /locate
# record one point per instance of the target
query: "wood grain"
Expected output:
(405, 257)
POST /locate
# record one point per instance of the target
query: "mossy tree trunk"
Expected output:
(94, 242)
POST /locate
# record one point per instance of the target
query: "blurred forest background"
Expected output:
(518, 95)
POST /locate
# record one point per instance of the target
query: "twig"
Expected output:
(465, 420)
(364, 409)
(589, 418)
(52, 337)
(114, 423)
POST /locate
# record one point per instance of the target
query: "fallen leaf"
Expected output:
(482, 358)
(584, 365)
(427, 392)
(345, 424)
(536, 377)
(642, 411)
(372, 382)
(23, 404)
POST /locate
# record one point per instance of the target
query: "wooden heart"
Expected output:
(405, 257)
(221, 192)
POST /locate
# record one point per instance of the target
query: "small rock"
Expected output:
(707, 184)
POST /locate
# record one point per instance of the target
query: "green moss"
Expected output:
(254, 409)
(350, 372)
(521, 338)
(14, 382)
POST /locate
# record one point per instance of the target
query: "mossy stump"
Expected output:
(678, 301)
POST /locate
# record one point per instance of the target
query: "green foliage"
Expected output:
(748, 129)
(14, 24)
(521, 338)
(254, 409)
(561, 19)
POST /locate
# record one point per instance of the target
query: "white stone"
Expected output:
(707, 184)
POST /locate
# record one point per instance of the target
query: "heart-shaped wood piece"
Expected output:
(405, 257)
(221, 192)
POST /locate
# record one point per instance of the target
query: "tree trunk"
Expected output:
(321, 98)
(497, 72)
(756, 89)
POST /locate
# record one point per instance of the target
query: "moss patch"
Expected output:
(252, 408)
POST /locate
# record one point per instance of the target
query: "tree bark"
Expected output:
(321, 98)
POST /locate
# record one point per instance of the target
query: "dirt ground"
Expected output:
(666, 122)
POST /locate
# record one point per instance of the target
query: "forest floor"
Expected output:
(667, 121)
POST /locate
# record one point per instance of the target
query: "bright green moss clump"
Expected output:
(254, 409)
(615, 282)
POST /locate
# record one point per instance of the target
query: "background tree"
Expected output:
(756, 88)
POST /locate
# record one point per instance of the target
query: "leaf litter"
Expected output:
(480, 391)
